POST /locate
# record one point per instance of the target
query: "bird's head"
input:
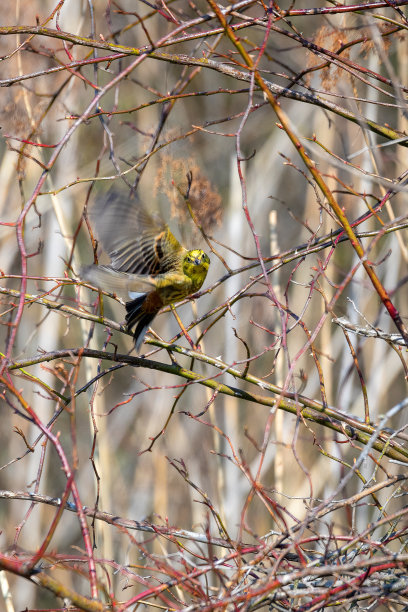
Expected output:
(195, 266)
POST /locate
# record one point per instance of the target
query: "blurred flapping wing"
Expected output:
(136, 242)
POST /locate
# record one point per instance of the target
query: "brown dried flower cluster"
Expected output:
(13, 114)
(331, 39)
(204, 198)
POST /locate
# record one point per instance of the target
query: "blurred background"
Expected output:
(74, 126)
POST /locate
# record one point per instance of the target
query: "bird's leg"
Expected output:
(183, 329)
(172, 358)
(156, 335)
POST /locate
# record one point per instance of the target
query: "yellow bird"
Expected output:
(147, 261)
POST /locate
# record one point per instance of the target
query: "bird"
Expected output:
(147, 261)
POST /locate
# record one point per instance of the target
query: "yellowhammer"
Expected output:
(147, 261)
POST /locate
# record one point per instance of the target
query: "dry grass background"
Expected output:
(249, 472)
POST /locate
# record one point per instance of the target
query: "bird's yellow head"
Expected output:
(195, 266)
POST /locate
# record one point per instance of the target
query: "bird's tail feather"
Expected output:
(136, 317)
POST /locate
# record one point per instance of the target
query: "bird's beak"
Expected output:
(197, 262)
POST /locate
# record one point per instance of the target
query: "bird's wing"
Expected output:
(136, 242)
(108, 279)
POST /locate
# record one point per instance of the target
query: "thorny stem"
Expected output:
(339, 212)
(289, 402)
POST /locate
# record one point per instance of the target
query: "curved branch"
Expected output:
(204, 62)
(298, 405)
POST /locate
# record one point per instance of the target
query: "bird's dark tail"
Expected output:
(136, 316)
